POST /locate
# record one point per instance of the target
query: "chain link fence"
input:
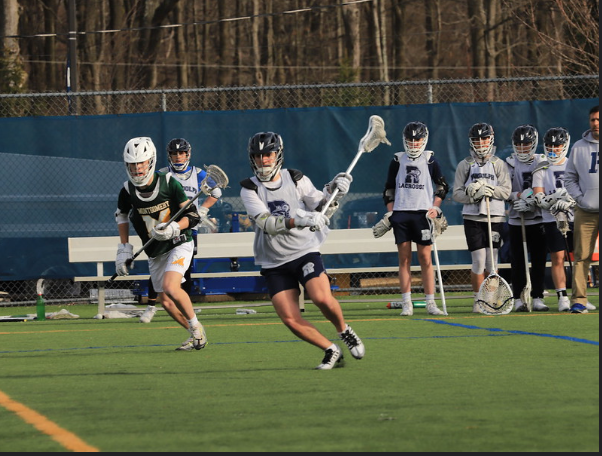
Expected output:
(24, 178)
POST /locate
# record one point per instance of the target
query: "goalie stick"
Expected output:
(525, 295)
(215, 178)
(495, 295)
(436, 254)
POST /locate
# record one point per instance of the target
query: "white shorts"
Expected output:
(177, 259)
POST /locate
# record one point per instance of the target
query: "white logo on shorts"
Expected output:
(426, 235)
(308, 269)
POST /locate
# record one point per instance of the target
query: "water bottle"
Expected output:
(40, 308)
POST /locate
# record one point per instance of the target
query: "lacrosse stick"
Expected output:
(525, 295)
(495, 295)
(562, 222)
(434, 234)
(215, 178)
(375, 135)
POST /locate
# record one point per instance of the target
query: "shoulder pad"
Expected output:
(429, 156)
(494, 159)
(544, 164)
(470, 160)
(296, 175)
(248, 184)
(164, 170)
(126, 185)
(511, 160)
(398, 156)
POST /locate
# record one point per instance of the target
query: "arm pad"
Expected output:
(193, 216)
(442, 188)
(272, 224)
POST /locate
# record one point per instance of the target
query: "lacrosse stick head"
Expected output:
(375, 135)
(215, 178)
(495, 296)
(562, 222)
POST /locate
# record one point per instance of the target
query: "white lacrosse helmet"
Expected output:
(415, 137)
(265, 143)
(524, 142)
(477, 135)
(555, 137)
(138, 150)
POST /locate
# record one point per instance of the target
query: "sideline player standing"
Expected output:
(481, 176)
(557, 206)
(411, 199)
(281, 204)
(521, 165)
(179, 152)
(582, 180)
(148, 199)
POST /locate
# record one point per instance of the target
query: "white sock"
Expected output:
(346, 326)
(150, 307)
(406, 296)
(193, 322)
(333, 347)
(430, 297)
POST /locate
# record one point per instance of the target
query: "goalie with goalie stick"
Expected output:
(179, 152)
(480, 178)
(522, 162)
(556, 206)
(284, 207)
(147, 200)
(411, 198)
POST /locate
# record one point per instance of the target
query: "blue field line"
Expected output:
(521, 333)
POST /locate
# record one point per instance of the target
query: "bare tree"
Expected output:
(11, 64)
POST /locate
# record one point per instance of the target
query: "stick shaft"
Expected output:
(525, 252)
(336, 190)
(493, 265)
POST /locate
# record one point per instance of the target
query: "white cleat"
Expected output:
(539, 306)
(199, 337)
(354, 343)
(332, 359)
(520, 306)
(432, 308)
(564, 304)
(590, 306)
(408, 309)
(187, 345)
(148, 314)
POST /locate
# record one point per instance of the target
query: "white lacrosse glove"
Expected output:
(203, 213)
(473, 187)
(314, 220)
(561, 206)
(479, 189)
(125, 252)
(383, 226)
(216, 193)
(342, 181)
(526, 202)
(486, 190)
(165, 232)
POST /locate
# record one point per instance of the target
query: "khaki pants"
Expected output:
(586, 231)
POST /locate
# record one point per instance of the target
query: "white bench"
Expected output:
(101, 250)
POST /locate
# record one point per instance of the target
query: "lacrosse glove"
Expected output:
(314, 220)
(125, 253)
(165, 232)
(380, 229)
(341, 181)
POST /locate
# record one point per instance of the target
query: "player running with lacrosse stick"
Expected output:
(179, 152)
(414, 190)
(557, 207)
(527, 236)
(283, 204)
(148, 199)
(482, 185)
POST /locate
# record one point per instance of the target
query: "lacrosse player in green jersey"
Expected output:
(148, 200)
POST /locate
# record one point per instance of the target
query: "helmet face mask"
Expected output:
(556, 144)
(524, 142)
(140, 156)
(415, 137)
(481, 138)
(260, 146)
(179, 161)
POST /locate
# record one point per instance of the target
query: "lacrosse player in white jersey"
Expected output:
(556, 207)
(179, 152)
(147, 200)
(289, 229)
(521, 164)
(411, 198)
(482, 175)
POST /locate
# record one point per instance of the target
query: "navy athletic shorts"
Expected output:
(289, 275)
(477, 234)
(555, 240)
(411, 226)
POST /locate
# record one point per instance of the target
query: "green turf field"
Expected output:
(465, 382)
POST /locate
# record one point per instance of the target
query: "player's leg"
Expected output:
(151, 307)
(536, 243)
(428, 277)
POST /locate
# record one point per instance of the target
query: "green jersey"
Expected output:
(156, 204)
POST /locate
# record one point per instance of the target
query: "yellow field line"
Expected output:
(68, 440)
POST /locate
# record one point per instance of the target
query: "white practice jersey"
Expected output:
(414, 185)
(487, 171)
(283, 198)
(189, 180)
(521, 175)
(550, 177)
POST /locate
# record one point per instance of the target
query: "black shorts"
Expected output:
(555, 240)
(289, 275)
(411, 226)
(477, 234)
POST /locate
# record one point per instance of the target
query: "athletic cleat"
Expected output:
(148, 314)
(539, 306)
(408, 309)
(332, 359)
(187, 345)
(520, 306)
(578, 309)
(590, 306)
(432, 308)
(564, 305)
(354, 343)
(199, 337)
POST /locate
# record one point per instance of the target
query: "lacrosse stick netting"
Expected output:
(215, 178)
